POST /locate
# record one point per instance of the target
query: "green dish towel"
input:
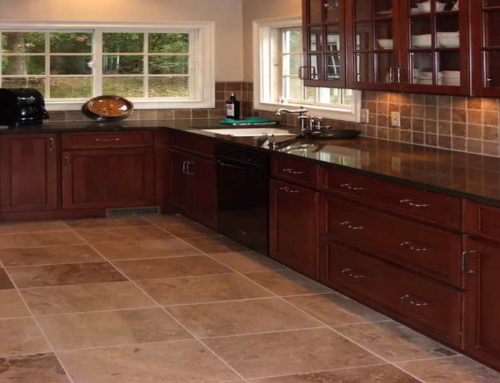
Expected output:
(250, 121)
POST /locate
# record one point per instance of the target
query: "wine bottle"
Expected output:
(233, 108)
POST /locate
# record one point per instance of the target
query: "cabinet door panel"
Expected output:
(29, 173)
(183, 186)
(108, 178)
(206, 192)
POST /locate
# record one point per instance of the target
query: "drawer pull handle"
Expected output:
(408, 245)
(351, 187)
(465, 268)
(352, 274)
(407, 298)
(409, 202)
(289, 190)
(52, 144)
(351, 226)
(107, 139)
(291, 171)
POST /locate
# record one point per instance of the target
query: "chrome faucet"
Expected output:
(302, 112)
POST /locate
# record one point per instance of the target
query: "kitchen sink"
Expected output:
(251, 132)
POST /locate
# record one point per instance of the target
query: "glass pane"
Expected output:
(385, 61)
(71, 87)
(123, 64)
(383, 8)
(419, 6)
(291, 64)
(492, 35)
(363, 35)
(294, 88)
(493, 69)
(421, 36)
(172, 87)
(333, 68)
(169, 42)
(23, 65)
(71, 65)
(491, 3)
(315, 11)
(423, 68)
(333, 11)
(383, 34)
(123, 42)
(449, 68)
(316, 39)
(63, 42)
(310, 94)
(170, 65)
(123, 86)
(23, 42)
(363, 9)
(329, 95)
(364, 67)
(292, 41)
(314, 67)
(333, 38)
(25, 82)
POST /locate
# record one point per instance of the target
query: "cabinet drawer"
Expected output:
(417, 301)
(425, 249)
(295, 171)
(438, 208)
(193, 143)
(104, 140)
(482, 220)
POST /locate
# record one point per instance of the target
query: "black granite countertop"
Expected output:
(457, 174)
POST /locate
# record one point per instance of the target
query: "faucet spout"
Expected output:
(302, 112)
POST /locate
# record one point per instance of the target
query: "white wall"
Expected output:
(227, 14)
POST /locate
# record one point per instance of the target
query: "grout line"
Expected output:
(248, 334)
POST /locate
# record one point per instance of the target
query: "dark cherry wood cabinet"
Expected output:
(107, 178)
(29, 173)
(293, 226)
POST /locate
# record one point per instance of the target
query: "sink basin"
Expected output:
(250, 132)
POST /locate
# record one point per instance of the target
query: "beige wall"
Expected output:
(226, 13)
(259, 10)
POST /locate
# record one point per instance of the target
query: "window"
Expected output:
(154, 67)
(280, 51)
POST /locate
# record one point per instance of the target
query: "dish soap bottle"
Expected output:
(233, 108)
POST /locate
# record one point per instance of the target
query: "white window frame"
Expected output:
(202, 54)
(266, 35)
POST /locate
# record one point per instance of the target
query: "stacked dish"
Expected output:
(421, 41)
(423, 77)
(385, 43)
(448, 39)
(425, 7)
(450, 77)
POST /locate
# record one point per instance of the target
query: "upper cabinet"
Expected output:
(485, 27)
(324, 44)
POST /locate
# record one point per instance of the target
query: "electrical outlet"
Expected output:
(365, 116)
(396, 119)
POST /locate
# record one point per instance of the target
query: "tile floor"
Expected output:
(162, 299)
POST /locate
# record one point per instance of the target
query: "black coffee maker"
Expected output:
(22, 107)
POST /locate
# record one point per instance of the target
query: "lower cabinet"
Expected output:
(29, 173)
(293, 226)
(194, 188)
(482, 308)
(107, 178)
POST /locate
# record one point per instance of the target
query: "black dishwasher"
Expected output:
(243, 196)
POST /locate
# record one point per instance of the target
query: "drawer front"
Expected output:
(425, 249)
(417, 301)
(104, 140)
(438, 208)
(295, 171)
(482, 220)
(194, 144)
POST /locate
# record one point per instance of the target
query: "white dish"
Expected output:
(385, 13)
(425, 7)
(386, 43)
(450, 74)
(421, 41)
(448, 41)
(415, 11)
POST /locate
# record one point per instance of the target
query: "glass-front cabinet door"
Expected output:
(324, 41)
(435, 56)
(374, 41)
(486, 47)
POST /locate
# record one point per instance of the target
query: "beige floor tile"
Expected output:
(335, 309)
(287, 282)
(85, 298)
(243, 317)
(60, 275)
(290, 352)
(248, 262)
(211, 288)
(123, 234)
(11, 305)
(169, 219)
(146, 249)
(103, 223)
(112, 328)
(171, 267)
(5, 282)
(42, 368)
(216, 245)
(29, 227)
(183, 229)
(172, 362)
(395, 342)
(49, 238)
(451, 370)
(376, 374)
(49, 255)
(21, 336)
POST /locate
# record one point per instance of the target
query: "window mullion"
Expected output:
(47, 65)
(98, 65)
(146, 65)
